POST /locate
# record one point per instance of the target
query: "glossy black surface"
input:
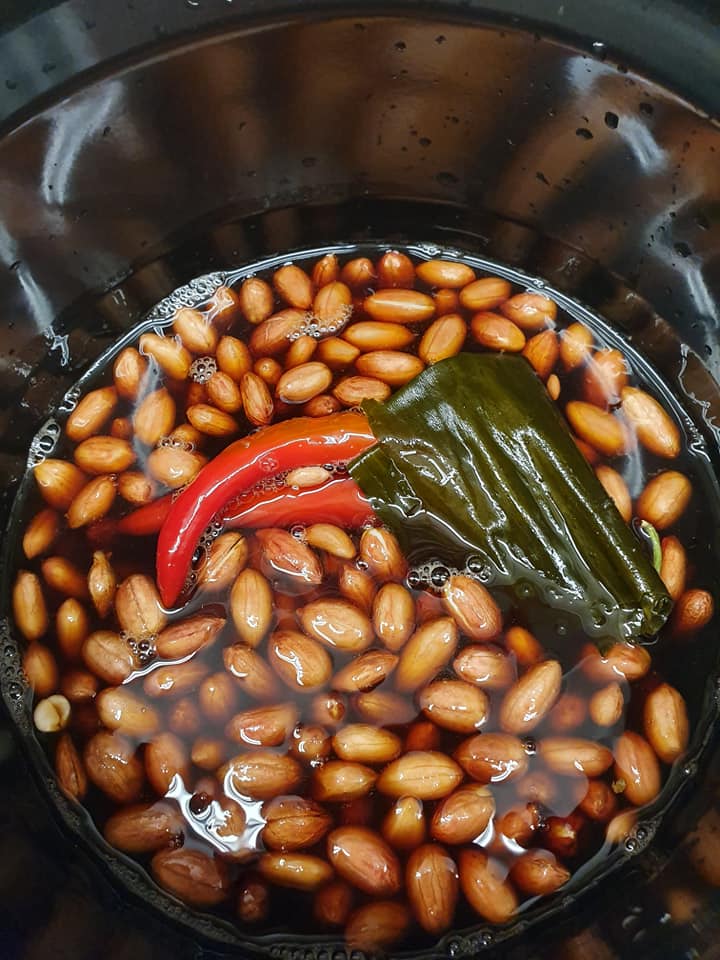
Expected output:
(144, 148)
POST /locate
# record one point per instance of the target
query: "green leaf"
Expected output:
(475, 464)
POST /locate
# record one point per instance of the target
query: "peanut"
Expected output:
(225, 561)
(195, 330)
(154, 418)
(256, 300)
(69, 768)
(485, 889)
(531, 697)
(59, 482)
(492, 757)
(376, 335)
(455, 705)
(29, 608)
(98, 455)
(364, 743)
(637, 766)
(143, 828)
(91, 413)
(92, 502)
(102, 583)
(52, 714)
(538, 873)
(262, 775)
(338, 624)
(109, 656)
(252, 672)
(673, 569)
(574, 756)
(365, 671)
(654, 427)
(377, 925)
(530, 311)
(602, 430)
(364, 860)
(616, 489)
(165, 758)
(473, 608)
(463, 815)
(485, 665)
(432, 886)
(169, 354)
(128, 372)
(351, 391)
(64, 577)
(424, 774)
(664, 499)
(607, 705)
(403, 826)
(542, 352)
(294, 823)
(399, 306)
(693, 611)
(393, 367)
(294, 286)
(112, 766)
(119, 709)
(496, 332)
(301, 662)
(425, 653)
(443, 338)
(191, 875)
(665, 722)
(175, 467)
(138, 607)
(485, 294)
(575, 345)
(338, 781)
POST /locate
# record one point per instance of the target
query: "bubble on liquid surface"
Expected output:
(202, 369)
(43, 443)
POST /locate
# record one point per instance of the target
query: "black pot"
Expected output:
(145, 144)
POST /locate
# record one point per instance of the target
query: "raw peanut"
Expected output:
(693, 611)
(365, 671)
(664, 499)
(284, 555)
(574, 756)
(376, 335)
(326, 270)
(665, 722)
(395, 269)
(251, 606)
(294, 286)
(590, 453)
(391, 366)
(673, 569)
(208, 753)
(338, 781)
(112, 766)
(445, 273)
(601, 429)
(293, 823)
(381, 552)
(486, 665)
(542, 352)
(599, 803)
(143, 828)
(484, 886)
(384, 708)
(301, 662)
(337, 623)
(233, 357)
(443, 338)
(183, 717)
(109, 657)
(52, 714)
(604, 378)
(135, 487)
(446, 301)
(620, 827)
(119, 709)
(301, 351)
(575, 345)
(538, 873)
(218, 697)
(463, 816)
(492, 757)
(102, 583)
(211, 421)
(472, 607)
(186, 637)
(191, 875)
(553, 386)
(175, 467)
(169, 354)
(224, 393)
(337, 354)
(455, 705)
(262, 774)
(187, 436)
(302, 383)
(333, 903)
(531, 697)
(356, 586)
(69, 768)
(274, 335)
(399, 306)
(425, 774)
(91, 413)
(128, 372)
(154, 418)
(59, 482)
(351, 391)
(359, 273)
(98, 455)
(175, 681)
(425, 653)
(310, 743)
(362, 858)
(92, 502)
(40, 533)
(328, 709)
(256, 300)
(404, 824)
(223, 307)
(530, 311)
(225, 561)
(308, 477)
(431, 879)
(637, 766)
(496, 332)
(364, 743)
(654, 427)
(377, 925)
(254, 675)
(301, 871)
(607, 705)
(526, 649)
(29, 608)
(423, 735)
(78, 685)
(195, 331)
(331, 539)
(321, 406)
(393, 615)
(332, 306)
(61, 575)
(616, 488)
(623, 661)
(485, 293)
(165, 758)
(138, 607)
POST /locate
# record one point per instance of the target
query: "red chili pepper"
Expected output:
(147, 519)
(300, 442)
(339, 501)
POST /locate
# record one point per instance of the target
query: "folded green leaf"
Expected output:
(475, 465)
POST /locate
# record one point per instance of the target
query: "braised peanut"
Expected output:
(637, 767)
(365, 672)
(531, 697)
(338, 781)
(673, 569)
(443, 338)
(294, 823)
(29, 608)
(425, 653)
(607, 705)
(485, 665)
(225, 561)
(143, 828)
(472, 607)
(424, 774)
(69, 768)
(377, 925)
(616, 489)
(129, 371)
(463, 815)
(484, 886)
(138, 607)
(455, 705)
(404, 824)
(392, 367)
(112, 766)
(575, 345)
(393, 615)
(165, 758)
(665, 722)
(493, 757)
(109, 656)
(263, 775)
(573, 756)
(338, 624)
(432, 886)
(604, 378)
(119, 709)
(537, 873)
(364, 743)
(102, 583)
(693, 611)
(196, 878)
(302, 871)
(364, 860)
(664, 499)
(601, 429)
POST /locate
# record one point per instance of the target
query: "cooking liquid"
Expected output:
(686, 664)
